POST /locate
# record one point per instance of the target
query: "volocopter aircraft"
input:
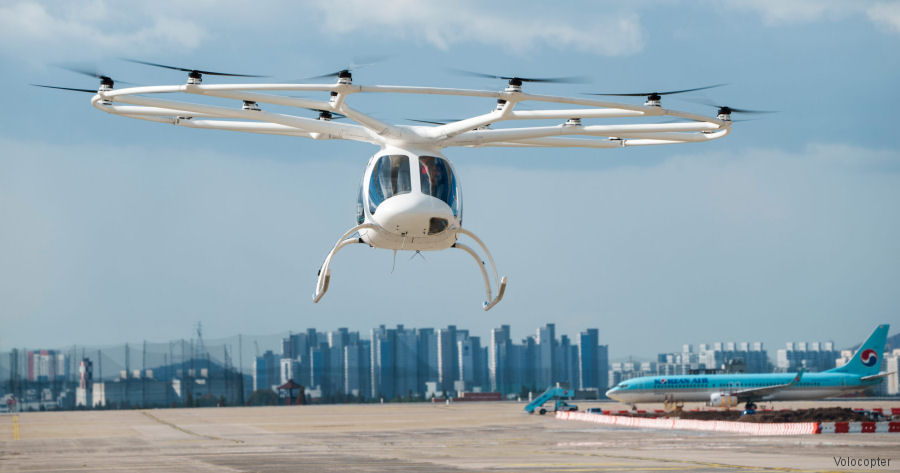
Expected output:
(410, 196)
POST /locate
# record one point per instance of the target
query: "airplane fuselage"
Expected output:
(699, 388)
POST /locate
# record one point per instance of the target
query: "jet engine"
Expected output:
(722, 400)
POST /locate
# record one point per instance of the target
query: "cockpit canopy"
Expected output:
(393, 175)
(437, 180)
(390, 177)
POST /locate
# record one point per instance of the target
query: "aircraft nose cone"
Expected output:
(413, 214)
(612, 393)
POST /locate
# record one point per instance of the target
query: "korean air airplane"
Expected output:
(725, 390)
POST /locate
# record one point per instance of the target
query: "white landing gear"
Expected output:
(500, 282)
(324, 276)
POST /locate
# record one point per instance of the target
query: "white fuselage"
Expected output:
(411, 199)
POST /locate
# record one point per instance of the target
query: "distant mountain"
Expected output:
(893, 341)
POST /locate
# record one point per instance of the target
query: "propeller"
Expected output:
(192, 73)
(105, 80)
(728, 110)
(347, 72)
(65, 88)
(517, 81)
(656, 96)
(343, 73)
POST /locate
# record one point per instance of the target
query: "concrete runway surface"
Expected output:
(404, 437)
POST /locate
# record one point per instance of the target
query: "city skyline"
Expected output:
(392, 364)
(273, 341)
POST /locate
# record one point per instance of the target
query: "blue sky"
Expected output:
(116, 230)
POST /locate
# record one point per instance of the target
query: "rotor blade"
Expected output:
(91, 73)
(360, 62)
(710, 103)
(554, 80)
(463, 72)
(430, 122)
(156, 65)
(176, 68)
(323, 76)
(357, 63)
(65, 88)
(670, 92)
(83, 71)
(558, 80)
(743, 110)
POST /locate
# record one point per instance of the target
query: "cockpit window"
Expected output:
(390, 177)
(437, 180)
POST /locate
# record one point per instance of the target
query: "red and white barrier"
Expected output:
(675, 423)
(859, 427)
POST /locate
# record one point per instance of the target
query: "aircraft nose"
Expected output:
(612, 393)
(414, 215)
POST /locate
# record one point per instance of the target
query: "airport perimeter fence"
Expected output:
(178, 373)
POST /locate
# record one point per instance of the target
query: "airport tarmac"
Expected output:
(425, 437)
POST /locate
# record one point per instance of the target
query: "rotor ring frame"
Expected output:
(470, 132)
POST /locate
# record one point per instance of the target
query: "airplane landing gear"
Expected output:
(750, 406)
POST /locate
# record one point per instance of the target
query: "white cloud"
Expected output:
(779, 12)
(92, 27)
(886, 15)
(31, 28)
(797, 11)
(443, 24)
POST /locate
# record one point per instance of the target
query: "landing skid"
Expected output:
(500, 282)
(324, 276)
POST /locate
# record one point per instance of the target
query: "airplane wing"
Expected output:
(760, 393)
(877, 376)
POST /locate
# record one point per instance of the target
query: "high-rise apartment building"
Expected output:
(472, 363)
(546, 360)
(448, 357)
(812, 356)
(428, 356)
(593, 361)
(266, 371)
(395, 363)
(47, 365)
(357, 369)
(499, 360)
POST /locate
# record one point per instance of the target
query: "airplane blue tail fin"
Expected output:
(867, 360)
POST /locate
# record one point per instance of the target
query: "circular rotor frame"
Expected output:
(144, 103)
